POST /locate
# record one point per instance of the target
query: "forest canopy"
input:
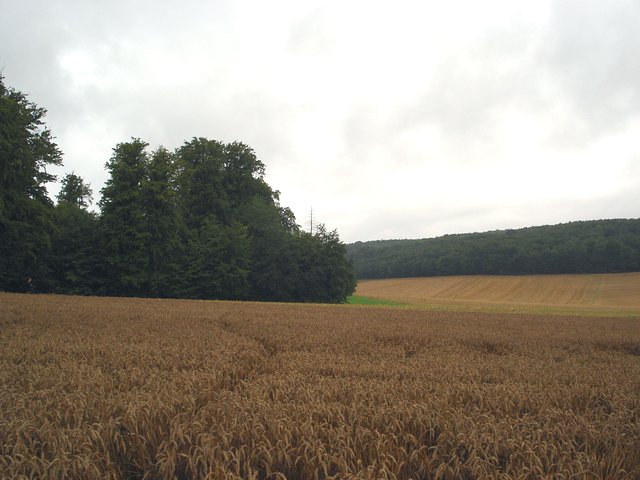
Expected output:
(197, 222)
(598, 246)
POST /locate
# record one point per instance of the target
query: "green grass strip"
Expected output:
(360, 300)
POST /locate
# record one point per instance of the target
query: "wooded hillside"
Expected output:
(599, 246)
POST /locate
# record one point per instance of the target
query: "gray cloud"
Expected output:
(408, 120)
(590, 53)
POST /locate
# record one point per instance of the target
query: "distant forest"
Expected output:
(600, 246)
(197, 222)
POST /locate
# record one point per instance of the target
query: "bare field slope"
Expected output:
(605, 291)
(110, 388)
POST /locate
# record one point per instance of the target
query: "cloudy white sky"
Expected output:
(402, 119)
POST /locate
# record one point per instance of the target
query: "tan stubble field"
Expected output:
(598, 294)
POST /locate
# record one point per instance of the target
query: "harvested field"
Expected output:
(159, 389)
(606, 292)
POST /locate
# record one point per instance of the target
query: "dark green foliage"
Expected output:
(73, 190)
(217, 263)
(243, 176)
(241, 242)
(203, 223)
(600, 246)
(200, 222)
(274, 267)
(74, 258)
(163, 224)
(326, 273)
(74, 261)
(218, 179)
(200, 181)
(123, 221)
(26, 146)
(26, 149)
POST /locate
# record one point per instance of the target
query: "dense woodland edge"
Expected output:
(198, 222)
(597, 246)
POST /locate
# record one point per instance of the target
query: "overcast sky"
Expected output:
(402, 119)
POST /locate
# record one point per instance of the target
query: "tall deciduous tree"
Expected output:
(214, 180)
(326, 275)
(123, 221)
(274, 273)
(74, 190)
(201, 186)
(337, 278)
(26, 150)
(163, 224)
(243, 176)
(75, 253)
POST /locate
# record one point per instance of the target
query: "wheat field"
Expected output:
(99, 388)
(599, 293)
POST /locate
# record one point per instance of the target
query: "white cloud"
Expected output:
(404, 120)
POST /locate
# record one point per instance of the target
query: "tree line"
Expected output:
(197, 222)
(598, 246)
